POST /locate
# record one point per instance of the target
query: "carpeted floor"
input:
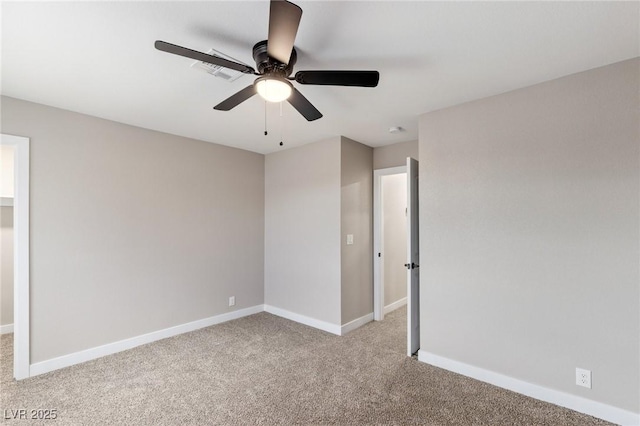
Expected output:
(264, 369)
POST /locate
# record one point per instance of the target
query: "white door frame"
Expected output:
(21, 254)
(378, 240)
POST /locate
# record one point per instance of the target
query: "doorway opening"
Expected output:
(396, 248)
(18, 148)
(6, 238)
(390, 240)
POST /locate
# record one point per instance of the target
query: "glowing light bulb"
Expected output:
(273, 89)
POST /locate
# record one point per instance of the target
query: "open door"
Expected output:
(413, 257)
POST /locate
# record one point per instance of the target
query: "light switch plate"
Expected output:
(349, 239)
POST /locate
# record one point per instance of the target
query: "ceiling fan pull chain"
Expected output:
(281, 125)
(265, 118)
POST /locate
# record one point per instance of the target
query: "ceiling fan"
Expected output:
(275, 59)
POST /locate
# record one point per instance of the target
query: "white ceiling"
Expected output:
(98, 58)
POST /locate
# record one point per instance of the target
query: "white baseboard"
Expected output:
(395, 305)
(356, 323)
(123, 345)
(6, 329)
(302, 319)
(573, 402)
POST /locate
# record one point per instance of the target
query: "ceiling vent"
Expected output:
(216, 70)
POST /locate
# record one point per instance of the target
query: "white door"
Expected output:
(413, 257)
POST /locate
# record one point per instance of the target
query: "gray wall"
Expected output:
(6, 265)
(302, 230)
(529, 206)
(356, 210)
(394, 155)
(133, 230)
(394, 238)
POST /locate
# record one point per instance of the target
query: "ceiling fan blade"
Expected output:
(204, 57)
(284, 18)
(235, 100)
(339, 78)
(303, 106)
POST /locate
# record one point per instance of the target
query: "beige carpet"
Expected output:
(264, 369)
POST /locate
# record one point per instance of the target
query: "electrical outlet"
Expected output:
(583, 377)
(232, 301)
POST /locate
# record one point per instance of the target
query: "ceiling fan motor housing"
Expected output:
(270, 66)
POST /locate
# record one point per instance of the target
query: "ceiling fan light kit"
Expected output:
(273, 89)
(275, 59)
